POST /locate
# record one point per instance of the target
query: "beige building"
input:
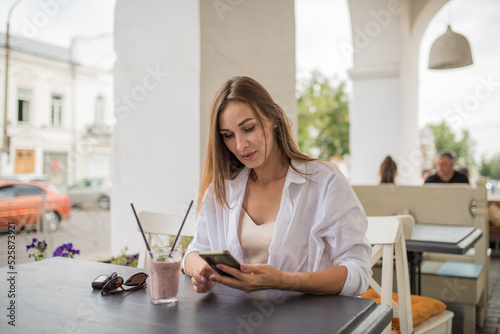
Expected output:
(60, 109)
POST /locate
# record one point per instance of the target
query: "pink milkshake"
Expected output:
(164, 273)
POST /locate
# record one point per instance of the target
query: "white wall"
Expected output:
(96, 52)
(160, 136)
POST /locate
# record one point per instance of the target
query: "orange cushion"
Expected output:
(421, 307)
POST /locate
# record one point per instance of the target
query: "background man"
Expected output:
(445, 172)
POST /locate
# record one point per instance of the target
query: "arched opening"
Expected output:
(467, 98)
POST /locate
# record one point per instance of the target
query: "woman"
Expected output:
(292, 221)
(388, 170)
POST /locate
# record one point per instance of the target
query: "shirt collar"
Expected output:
(237, 186)
(297, 173)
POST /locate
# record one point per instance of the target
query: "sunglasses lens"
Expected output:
(112, 284)
(136, 279)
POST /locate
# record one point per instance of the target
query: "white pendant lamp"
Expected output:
(450, 50)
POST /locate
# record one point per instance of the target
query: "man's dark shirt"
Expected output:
(456, 178)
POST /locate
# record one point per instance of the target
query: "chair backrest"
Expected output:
(387, 234)
(157, 225)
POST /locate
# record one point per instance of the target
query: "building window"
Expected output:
(23, 105)
(56, 110)
(99, 111)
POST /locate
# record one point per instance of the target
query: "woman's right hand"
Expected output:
(200, 279)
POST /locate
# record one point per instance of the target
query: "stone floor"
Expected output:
(492, 325)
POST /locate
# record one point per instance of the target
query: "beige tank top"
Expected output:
(255, 239)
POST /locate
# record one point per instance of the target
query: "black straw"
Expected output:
(140, 227)
(182, 225)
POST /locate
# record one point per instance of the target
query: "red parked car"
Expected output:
(21, 202)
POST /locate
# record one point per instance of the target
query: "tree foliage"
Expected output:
(445, 139)
(323, 117)
(491, 168)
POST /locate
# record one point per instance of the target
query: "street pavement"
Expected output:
(88, 230)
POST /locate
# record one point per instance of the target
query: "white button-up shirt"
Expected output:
(320, 224)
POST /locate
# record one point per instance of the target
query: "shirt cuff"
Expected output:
(354, 284)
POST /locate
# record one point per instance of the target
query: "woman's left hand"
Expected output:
(253, 277)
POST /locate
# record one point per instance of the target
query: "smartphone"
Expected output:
(101, 280)
(224, 257)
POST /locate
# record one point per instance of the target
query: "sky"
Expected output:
(57, 21)
(322, 27)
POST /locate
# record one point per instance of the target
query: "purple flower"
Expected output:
(28, 247)
(66, 250)
(61, 251)
(39, 247)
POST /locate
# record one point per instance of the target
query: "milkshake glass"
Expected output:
(164, 269)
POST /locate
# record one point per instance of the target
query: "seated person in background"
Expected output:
(388, 170)
(464, 171)
(292, 221)
(445, 172)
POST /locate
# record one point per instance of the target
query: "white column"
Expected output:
(155, 147)
(384, 111)
(171, 58)
(252, 38)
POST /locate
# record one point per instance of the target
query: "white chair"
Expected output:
(387, 235)
(158, 227)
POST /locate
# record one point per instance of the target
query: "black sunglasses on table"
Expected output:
(138, 281)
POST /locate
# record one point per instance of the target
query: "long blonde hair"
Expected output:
(220, 163)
